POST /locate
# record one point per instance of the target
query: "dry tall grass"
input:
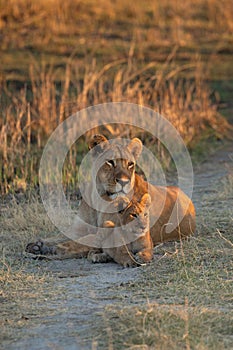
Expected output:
(30, 115)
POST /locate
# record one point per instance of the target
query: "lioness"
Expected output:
(132, 243)
(113, 175)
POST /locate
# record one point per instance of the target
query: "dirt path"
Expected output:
(64, 308)
(210, 172)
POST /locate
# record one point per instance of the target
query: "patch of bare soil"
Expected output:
(61, 304)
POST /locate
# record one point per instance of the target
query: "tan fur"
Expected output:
(116, 177)
(132, 245)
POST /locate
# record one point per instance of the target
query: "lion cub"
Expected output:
(127, 240)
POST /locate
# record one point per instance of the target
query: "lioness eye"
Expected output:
(130, 165)
(133, 215)
(110, 163)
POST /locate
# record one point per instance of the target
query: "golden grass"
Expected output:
(169, 326)
(26, 122)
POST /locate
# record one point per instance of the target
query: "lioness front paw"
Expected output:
(40, 248)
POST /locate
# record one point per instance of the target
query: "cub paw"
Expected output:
(129, 263)
(141, 259)
(134, 260)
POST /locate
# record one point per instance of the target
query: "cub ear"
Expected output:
(146, 200)
(108, 223)
(135, 147)
(121, 203)
(98, 142)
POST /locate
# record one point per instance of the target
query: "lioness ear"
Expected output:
(108, 223)
(135, 147)
(146, 200)
(97, 140)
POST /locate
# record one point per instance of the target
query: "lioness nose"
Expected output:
(123, 181)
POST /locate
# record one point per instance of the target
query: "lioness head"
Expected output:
(114, 164)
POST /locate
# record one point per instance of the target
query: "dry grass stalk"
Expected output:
(26, 123)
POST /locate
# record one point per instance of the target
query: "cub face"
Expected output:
(114, 165)
(132, 217)
(138, 213)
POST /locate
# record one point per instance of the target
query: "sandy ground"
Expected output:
(66, 309)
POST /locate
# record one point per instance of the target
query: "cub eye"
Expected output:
(133, 216)
(130, 165)
(110, 163)
(145, 215)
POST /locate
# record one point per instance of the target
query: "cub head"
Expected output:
(138, 212)
(134, 212)
(114, 164)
